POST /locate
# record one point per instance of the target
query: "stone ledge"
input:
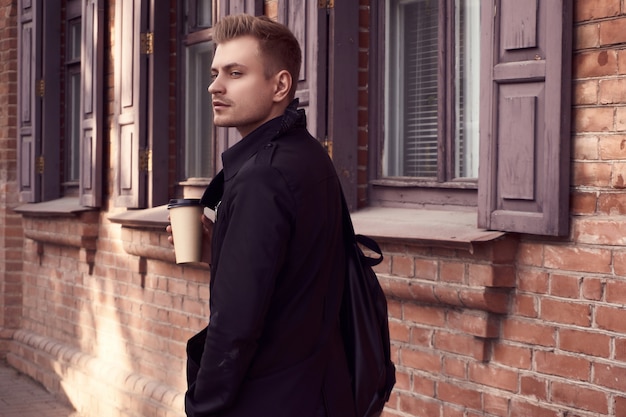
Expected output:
(62, 222)
(59, 367)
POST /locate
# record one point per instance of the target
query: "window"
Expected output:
(71, 143)
(197, 129)
(469, 106)
(60, 40)
(422, 84)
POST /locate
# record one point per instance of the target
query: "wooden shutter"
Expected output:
(342, 87)
(129, 127)
(92, 111)
(327, 86)
(525, 116)
(39, 25)
(158, 103)
(226, 137)
(309, 25)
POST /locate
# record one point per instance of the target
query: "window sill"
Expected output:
(443, 228)
(62, 222)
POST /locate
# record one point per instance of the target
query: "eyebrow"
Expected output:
(228, 67)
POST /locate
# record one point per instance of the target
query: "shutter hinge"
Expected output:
(326, 4)
(145, 160)
(41, 87)
(147, 43)
(40, 164)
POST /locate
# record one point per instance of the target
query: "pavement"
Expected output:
(21, 396)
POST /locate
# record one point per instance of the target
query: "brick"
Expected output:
(525, 305)
(595, 64)
(402, 266)
(491, 276)
(620, 406)
(455, 394)
(521, 408)
(586, 147)
(585, 93)
(592, 174)
(452, 272)
(426, 269)
(431, 316)
(495, 405)
(609, 376)
(565, 286)
(421, 360)
(618, 175)
(597, 9)
(423, 385)
(612, 146)
(586, 36)
(579, 397)
(530, 254)
(399, 331)
(528, 332)
(455, 367)
(593, 119)
(513, 356)
(610, 318)
(619, 263)
(534, 387)
(613, 204)
(578, 259)
(419, 406)
(615, 292)
(612, 31)
(592, 289)
(573, 367)
(479, 324)
(566, 312)
(620, 119)
(621, 61)
(586, 342)
(493, 376)
(461, 344)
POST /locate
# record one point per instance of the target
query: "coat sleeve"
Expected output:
(259, 221)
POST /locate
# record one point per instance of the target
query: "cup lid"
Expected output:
(181, 202)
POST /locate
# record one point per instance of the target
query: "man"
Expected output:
(272, 347)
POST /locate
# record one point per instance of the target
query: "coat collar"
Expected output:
(234, 157)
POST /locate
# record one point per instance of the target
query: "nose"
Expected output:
(214, 87)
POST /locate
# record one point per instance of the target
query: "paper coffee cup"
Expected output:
(185, 216)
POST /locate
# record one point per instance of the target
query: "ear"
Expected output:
(282, 85)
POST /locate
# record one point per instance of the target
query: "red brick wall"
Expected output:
(523, 326)
(10, 225)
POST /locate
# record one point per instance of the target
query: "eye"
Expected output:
(213, 76)
(236, 74)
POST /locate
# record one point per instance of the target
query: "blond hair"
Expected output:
(278, 46)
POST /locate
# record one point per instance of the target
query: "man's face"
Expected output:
(242, 95)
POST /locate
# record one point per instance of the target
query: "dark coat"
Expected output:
(272, 347)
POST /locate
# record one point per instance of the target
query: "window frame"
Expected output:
(444, 190)
(191, 34)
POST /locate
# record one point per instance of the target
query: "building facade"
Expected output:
(482, 144)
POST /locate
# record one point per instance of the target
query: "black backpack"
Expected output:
(365, 326)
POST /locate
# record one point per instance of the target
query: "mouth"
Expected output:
(219, 104)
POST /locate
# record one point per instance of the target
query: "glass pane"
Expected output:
(467, 81)
(72, 151)
(204, 13)
(411, 89)
(198, 112)
(74, 40)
